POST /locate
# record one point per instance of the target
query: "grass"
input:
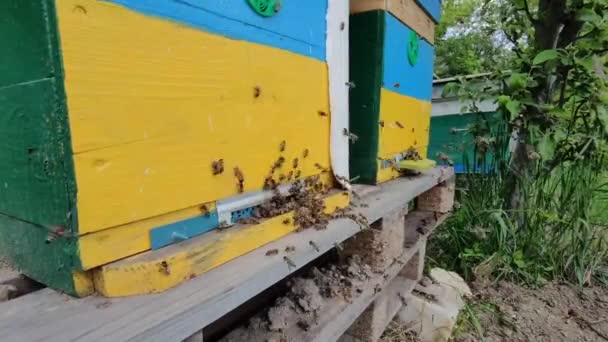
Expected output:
(396, 332)
(558, 232)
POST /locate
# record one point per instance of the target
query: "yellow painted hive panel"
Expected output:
(152, 104)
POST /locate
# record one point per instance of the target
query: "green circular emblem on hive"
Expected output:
(412, 48)
(265, 8)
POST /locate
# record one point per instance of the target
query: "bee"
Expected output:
(399, 124)
(295, 163)
(282, 146)
(239, 175)
(271, 252)
(286, 221)
(217, 166)
(305, 153)
(322, 113)
(241, 178)
(269, 183)
(298, 174)
(289, 262)
(257, 91)
(204, 209)
(413, 130)
(381, 123)
(318, 166)
(290, 249)
(279, 162)
(397, 85)
(164, 268)
(282, 178)
(290, 175)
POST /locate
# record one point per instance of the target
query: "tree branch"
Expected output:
(528, 13)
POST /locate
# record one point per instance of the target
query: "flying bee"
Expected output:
(399, 124)
(305, 153)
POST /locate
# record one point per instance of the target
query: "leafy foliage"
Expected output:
(533, 214)
(467, 42)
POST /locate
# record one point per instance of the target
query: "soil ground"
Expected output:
(555, 312)
(509, 312)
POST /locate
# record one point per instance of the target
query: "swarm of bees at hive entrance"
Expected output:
(411, 154)
(304, 198)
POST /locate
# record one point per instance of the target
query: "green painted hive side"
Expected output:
(37, 186)
(366, 49)
(450, 136)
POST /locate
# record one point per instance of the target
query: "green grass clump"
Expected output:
(559, 231)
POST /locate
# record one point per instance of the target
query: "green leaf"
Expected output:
(450, 89)
(503, 99)
(518, 81)
(587, 14)
(546, 147)
(544, 56)
(518, 259)
(513, 107)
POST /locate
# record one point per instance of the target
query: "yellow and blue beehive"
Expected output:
(391, 64)
(135, 124)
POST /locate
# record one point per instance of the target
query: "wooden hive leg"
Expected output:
(440, 198)
(381, 244)
(378, 315)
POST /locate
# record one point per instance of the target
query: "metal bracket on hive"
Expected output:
(233, 209)
(265, 8)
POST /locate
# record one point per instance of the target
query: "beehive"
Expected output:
(130, 124)
(391, 66)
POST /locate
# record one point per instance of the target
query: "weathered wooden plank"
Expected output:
(178, 313)
(159, 270)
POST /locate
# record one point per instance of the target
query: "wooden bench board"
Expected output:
(178, 313)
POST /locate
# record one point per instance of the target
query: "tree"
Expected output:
(467, 42)
(555, 96)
